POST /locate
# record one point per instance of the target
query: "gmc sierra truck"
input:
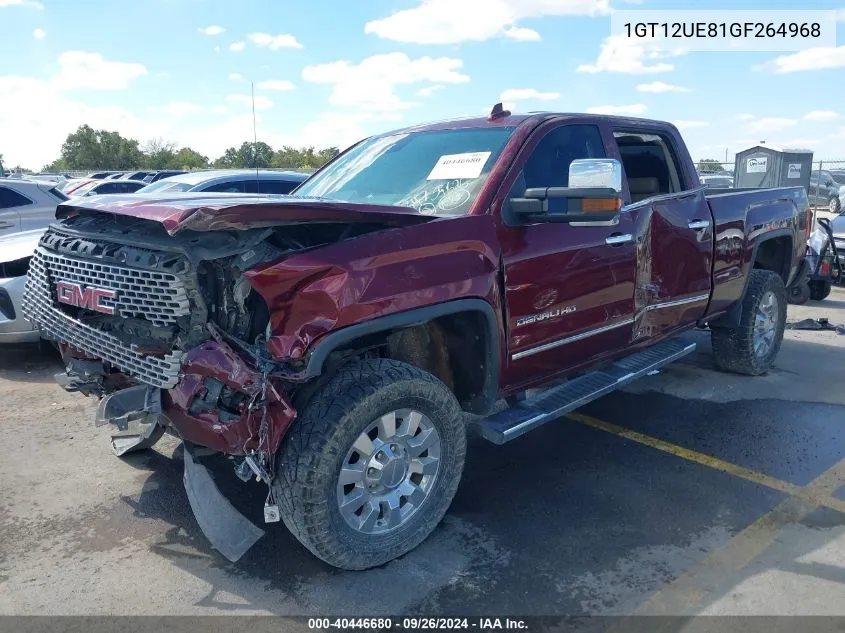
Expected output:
(329, 343)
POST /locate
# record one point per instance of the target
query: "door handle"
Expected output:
(697, 225)
(619, 238)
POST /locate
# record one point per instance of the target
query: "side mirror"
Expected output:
(594, 194)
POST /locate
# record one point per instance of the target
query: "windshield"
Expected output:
(165, 185)
(81, 191)
(437, 173)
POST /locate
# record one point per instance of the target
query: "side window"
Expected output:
(275, 186)
(228, 187)
(650, 164)
(548, 165)
(10, 198)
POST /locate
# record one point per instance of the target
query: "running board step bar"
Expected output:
(553, 403)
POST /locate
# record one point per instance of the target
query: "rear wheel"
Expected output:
(751, 347)
(371, 465)
(819, 290)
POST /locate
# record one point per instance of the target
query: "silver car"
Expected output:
(27, 205)
(15, 253)
(229, 181)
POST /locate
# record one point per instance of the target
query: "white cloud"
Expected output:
(658, 87)
(452, 22)
(626, 110)
(237, 47)
(212, 30)
(274, 42)
(261, 102)
(217, 49)
(682, 124)
(370, 85)
(36, 117)
(219, 109)
(275, 84)
(819, 58)
(30, 4)
(522, 34)
(429, 90)
(178, 108)
(236, 77)
(621, 55)
(39, 34)
(91, 71)
(746, 117)
(770, 124)
(822, 115)
(527, 94)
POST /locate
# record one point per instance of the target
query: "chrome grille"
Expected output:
(158, 297)
(38, 306)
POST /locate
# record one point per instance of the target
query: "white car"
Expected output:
(27, 205)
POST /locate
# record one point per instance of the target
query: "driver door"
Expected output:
(569, 289)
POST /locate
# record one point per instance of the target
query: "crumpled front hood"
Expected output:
(211, 211)
(19, 245)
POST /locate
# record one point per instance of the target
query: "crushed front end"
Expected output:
(167, 331)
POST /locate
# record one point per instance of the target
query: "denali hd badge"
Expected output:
(544, 316)
(88, 298)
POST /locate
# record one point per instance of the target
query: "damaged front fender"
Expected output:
(255, 417)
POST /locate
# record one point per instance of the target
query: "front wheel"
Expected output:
(751, 347)
(371, 465)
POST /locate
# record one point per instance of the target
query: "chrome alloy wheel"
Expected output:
(765, 324)
(389, 472)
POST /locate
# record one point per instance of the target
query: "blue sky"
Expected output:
(329, 72)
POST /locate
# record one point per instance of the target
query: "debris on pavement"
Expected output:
(816, 324)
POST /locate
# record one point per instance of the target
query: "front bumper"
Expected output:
(14, 328)
(193, 409)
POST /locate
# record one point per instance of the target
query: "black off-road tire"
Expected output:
(314, 449)
(733, 348)
(819, 290)
(798, 294)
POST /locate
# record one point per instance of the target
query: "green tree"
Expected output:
(160, 154)
(304, 158)
(186, 158)
(88, 148)
(258, 155)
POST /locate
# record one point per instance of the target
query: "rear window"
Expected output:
(276, 186)
(166, 185)
(57, 194)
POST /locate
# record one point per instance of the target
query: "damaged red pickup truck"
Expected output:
(329, 342)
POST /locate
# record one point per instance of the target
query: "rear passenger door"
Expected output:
(10, 206)
(674, 231)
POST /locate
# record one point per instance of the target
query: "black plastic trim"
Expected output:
(319, 355)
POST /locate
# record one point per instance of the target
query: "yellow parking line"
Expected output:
(684, 595)
(807, 493)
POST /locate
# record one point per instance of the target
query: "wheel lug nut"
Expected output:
(371, 471)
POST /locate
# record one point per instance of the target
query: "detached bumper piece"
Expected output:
(228, 531)
(136, 413)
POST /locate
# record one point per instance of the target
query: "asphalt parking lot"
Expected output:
(692, 492)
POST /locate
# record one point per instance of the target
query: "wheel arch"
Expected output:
(734, 314)
(431, 318)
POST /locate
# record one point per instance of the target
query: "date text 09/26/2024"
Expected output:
(417, 624)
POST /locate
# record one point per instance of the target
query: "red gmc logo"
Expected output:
(88, 298)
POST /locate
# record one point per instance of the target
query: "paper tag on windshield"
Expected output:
(454, 166)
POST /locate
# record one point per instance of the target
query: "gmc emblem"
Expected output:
(88, 298)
